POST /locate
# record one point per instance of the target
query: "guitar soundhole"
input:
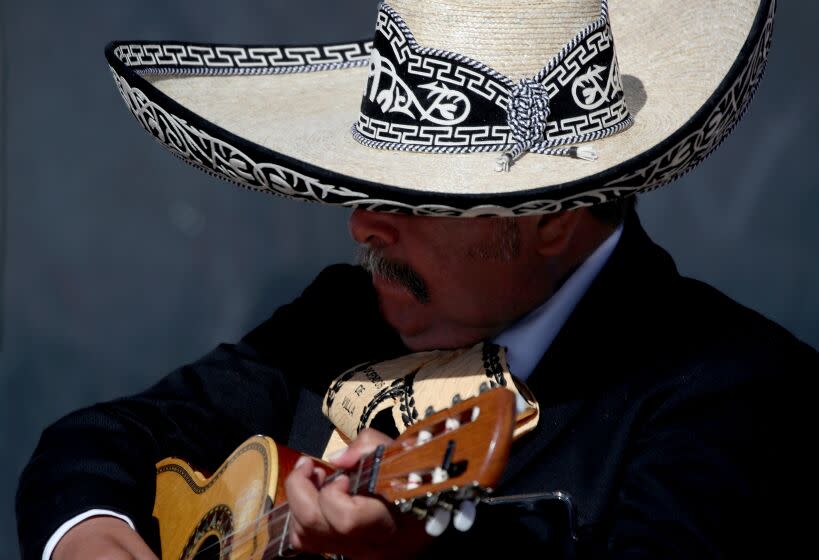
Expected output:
(210, 549)
(211, 537)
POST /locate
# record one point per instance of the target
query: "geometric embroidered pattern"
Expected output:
(491, 85)
(180, 58)
(432, 100)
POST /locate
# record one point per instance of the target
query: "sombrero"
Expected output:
(462, 107)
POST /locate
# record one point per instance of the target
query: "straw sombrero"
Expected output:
(462, 107)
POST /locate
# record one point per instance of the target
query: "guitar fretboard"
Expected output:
(363, 476)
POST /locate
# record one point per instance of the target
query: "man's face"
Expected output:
(451, 282)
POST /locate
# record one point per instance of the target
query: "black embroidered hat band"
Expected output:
(431, 100)
(408, 121)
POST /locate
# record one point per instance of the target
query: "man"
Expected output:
(663, 404)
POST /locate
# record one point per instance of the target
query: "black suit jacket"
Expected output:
(667, 414)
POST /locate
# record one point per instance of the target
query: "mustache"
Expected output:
(374, 262)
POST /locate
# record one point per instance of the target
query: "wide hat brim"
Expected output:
(278, 119)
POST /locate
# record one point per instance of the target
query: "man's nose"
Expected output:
(373, 228)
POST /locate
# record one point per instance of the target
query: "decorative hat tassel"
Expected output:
(587, 153)
(504, 162)
(527, 113)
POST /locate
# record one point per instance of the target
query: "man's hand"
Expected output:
(99, 538)
(328, 519)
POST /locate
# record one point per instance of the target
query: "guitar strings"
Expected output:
(271, 543)
(273, 517)
(267, 524)
(270, 523)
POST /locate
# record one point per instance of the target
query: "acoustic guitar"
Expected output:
(438, 469)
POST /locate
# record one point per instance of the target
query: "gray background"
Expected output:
(122, 262)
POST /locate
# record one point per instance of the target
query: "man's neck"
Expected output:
(529, 338)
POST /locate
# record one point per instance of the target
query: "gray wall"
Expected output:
(122, 262)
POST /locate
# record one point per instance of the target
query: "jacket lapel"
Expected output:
(606, 322)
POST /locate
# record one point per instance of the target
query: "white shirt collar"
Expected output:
(528, 338)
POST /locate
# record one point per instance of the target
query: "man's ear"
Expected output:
(555, 231)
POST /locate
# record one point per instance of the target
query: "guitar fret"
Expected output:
(357, 485)
(377, 456)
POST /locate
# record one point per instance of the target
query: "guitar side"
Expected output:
(199, 516)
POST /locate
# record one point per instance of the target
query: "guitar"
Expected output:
(437, 469)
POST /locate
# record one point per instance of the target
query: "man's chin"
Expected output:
(414, 321)
(420, 335)
(431, 340)
(407, 317)
(401, 314)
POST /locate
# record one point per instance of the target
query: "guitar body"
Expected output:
(198, 516)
